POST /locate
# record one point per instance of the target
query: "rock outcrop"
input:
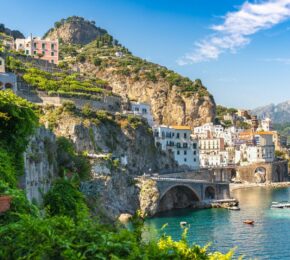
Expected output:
(75, 30)
(40, 164)
(175, 100)
(168, 105)
(119, 151)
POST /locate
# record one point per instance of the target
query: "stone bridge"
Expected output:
(164, 193)
(254, 173)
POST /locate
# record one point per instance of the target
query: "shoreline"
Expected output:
(234, 187)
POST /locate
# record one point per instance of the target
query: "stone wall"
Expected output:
(40, 164)
(110, 103)
(264, 172)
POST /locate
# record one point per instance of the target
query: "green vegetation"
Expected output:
(17, 122)
(101, 53)
(283, 129)
(70, 162)
(65, 85)
(221, 111)
(63, 228)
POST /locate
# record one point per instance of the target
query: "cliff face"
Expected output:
(168, 105)
(120, 150)
(75, 30)
(39, 164)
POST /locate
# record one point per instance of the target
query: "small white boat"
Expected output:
(234, 208)
(280, 205)
(183, 224)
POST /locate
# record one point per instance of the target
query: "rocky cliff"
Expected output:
(174, 99)
(40, 164)
(75, 30)
(120, 148)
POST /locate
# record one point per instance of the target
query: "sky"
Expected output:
(239, 49)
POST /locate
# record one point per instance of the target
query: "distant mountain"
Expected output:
(278, 113)
(14, 33)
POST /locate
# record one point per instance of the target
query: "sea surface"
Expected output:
(268, 238)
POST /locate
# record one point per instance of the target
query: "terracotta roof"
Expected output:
(181, 127)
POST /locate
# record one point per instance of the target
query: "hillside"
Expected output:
(14, 33)
(75, 30)
(174, 99)
(279, 113)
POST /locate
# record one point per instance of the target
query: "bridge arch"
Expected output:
(209, 193)
(260, 174)
(177, 197)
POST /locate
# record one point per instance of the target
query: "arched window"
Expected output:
(8, 86)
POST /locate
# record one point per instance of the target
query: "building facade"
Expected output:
(177, 139)
(36, 47)
(143, 110)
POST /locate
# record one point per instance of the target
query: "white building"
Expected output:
(144, 110)
(207, 130)
(212, 152)
(262, 152)
(266, 124)
(177, 139)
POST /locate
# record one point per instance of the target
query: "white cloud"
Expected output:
(236, 29)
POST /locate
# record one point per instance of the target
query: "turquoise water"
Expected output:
(269, 238)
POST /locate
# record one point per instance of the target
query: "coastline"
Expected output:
(253, 185)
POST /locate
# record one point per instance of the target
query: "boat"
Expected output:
(280, 205)
(249, 222)
(234, 208)
(183, 224)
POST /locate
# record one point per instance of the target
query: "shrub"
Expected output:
(65, 200)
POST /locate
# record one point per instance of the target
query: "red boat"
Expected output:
(249, 222)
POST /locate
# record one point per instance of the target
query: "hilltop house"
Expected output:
(143, 110)
(7, 80)
(36, 47)
(177, 139)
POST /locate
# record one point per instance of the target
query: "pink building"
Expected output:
(39, 48)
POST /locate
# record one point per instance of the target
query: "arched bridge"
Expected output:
(182, 193)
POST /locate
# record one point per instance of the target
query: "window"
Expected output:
(185, 145)
(185, 159)
(35, 45)
(136, 108)
(194, 146)
(178, 152)
(52, 61)
(43, 46)
(52, 46)
(52, 53)
(177, 135)
(43, 52)
(194, 152)
(194, 159)
(27, 52)
(185, 135)
(34, 52)
(144, 111)
(178, 145)
(185, 152)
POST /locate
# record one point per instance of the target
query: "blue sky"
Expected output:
(240, 50)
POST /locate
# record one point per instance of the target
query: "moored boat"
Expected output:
(249, 222)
